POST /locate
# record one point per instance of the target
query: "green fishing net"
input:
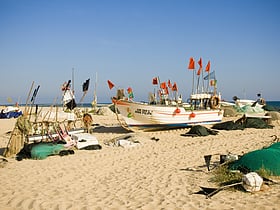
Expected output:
(43, 150)
(266, 158)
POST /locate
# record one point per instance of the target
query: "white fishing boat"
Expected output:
(260, 102)
(202, 108)
(146, 116)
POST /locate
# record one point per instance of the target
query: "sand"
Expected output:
(161, 174)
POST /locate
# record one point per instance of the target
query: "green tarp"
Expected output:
(266, 158)
(43, 150)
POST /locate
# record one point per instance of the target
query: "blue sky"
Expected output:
(130, 42)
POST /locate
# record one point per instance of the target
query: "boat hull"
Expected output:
(150, 117)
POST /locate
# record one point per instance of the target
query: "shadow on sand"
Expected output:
(112, 129)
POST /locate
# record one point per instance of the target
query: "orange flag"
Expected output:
(129, 90)
(166, 90)
(199, 71)
(191, 64)
(163, 85)
(110, 84)
(169, 84)
(174, 88)
(207, 69)
(200, 62)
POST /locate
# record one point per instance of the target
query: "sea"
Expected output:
(273, 105)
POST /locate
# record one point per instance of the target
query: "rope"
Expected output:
(122, 124)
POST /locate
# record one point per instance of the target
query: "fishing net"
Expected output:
(17, 139)
(199, 130)
(266, 158)
(228, 125)
(249, 109)
(242, 123)
(43, 150)
(24, 125)
(256, 123)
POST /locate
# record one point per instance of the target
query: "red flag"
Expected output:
(166, 90)
(155, 81)
(174, 87)
(200, 62)
(207, 69)
(129, 90)
(199, 71)
(110, 84)
(169, 84)
(163, 85)
(191, 64)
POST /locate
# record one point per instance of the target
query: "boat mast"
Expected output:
(94, 102)
(73, 81)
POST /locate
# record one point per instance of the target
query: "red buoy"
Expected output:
(192, 115)
(177, 111)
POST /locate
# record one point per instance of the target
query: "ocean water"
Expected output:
(273, 104)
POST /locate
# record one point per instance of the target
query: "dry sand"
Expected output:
(152, 175)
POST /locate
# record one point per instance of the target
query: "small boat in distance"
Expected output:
(260, 102)
(168, 112)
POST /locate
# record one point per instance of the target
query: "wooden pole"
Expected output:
(28, 97)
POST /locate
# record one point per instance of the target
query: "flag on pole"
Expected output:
(174, 87)
(210, 76)
(86, 85)
(130, 93)
(163, 85)
(169, 84)
(35, 94)
(155, 81)
(199, 71)
(213, 82)
(200, 62)
(207, 69)
(110, 84)
(191, 64)
(166, 90)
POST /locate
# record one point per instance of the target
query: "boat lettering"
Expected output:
(143, 111)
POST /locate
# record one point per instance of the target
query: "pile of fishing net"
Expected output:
(198, 130)
(267, 159)
(242, 123)
(42, 150)
(249, 109)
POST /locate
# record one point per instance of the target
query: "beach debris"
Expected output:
(86, 141)
(66, 152)
(199, 130)
(123, 141)
(252, 182)
(209, 192)
(10, 112)
(207, 159)
(275, 138)
(192, 169)
(3, 162)
(155, 139)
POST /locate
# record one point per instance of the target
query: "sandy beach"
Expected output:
(163, 174)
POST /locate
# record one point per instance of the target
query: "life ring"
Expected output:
(214, 102)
